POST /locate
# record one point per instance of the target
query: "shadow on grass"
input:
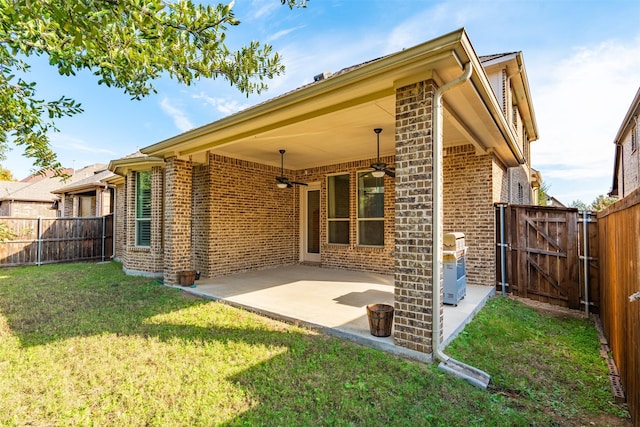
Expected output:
(317, 380)
(50, 303)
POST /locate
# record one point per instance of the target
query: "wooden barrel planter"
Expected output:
(186, 278)
(380, 319)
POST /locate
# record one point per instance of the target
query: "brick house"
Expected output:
(208, 199)
(88, 194)
(626, 169)
(83, 193)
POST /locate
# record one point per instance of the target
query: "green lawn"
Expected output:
(82, 344)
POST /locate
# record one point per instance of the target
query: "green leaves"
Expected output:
(127, 44)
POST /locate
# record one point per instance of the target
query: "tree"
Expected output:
(580, 205)
(6, 175)
(598, 204)
(601, 202)
(127, 44)
(543, 194)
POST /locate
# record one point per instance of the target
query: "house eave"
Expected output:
(123, 166)
(379, 75)
(633, 111)
(360, 99)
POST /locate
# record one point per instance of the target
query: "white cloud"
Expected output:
(283, 33)
(68, 142)
(580, 103)
(180, 119)
(225, 106)
(262, 8)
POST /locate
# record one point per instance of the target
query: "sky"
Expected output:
(582, 60)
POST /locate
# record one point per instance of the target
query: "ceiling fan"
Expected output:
(283, 181)
(380, 168)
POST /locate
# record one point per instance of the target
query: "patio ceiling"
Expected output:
(332, 121)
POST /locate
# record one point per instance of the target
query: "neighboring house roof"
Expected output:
(44, 174)
(630, 119)
(34, 189)
(8, 187)
(88, 183)
(38, 191)
(552, 201)
(331, 118)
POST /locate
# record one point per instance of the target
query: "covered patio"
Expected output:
(331, 300)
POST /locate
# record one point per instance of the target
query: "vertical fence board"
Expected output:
(543, 257)
(61, 240)
(618, 231)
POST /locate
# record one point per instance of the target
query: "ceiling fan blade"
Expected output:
(379, 166)
(390, 172)
(299, 183)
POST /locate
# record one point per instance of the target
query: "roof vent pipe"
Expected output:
(323, 76)
(458, 369)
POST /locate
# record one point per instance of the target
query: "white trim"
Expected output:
(347, 219)
(304, 255)
(365, 219)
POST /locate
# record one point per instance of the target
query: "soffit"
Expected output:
(332, 121)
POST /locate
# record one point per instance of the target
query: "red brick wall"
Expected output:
(252, 224)
(353, 256)
(176, 227)
(468, 207)
(119, 218)
(414, 213)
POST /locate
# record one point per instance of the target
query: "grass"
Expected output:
(82, 344)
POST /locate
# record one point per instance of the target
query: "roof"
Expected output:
(8, 187)
(88, 183)
(137, 161)
(42, 190)
(331, 119)
(38, 191)
(631, 118)
(489, 58)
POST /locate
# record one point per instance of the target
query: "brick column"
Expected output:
(413, 217)
(177, 219)
(99, 201)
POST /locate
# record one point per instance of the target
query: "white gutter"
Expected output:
(473, 375)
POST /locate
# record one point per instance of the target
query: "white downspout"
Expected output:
(469, 373)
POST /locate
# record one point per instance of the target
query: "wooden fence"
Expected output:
(619, 234)
(548, 254)
(40, 241)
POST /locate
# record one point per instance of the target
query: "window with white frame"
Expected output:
(370, 210)
(338, 203)
(143, 208)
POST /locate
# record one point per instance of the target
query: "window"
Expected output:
(634, 138)
(370, 210)
(338, 209)
(85, 206)
(143, 208)
(520, 194)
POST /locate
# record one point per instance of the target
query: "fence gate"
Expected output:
(548, 254)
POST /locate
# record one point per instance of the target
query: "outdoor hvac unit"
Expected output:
(455, 270)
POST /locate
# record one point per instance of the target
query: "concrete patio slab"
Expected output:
(330, 300)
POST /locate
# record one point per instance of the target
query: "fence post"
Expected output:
(585, 253)
(103, 236)
(39, 260)
(503, 268)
